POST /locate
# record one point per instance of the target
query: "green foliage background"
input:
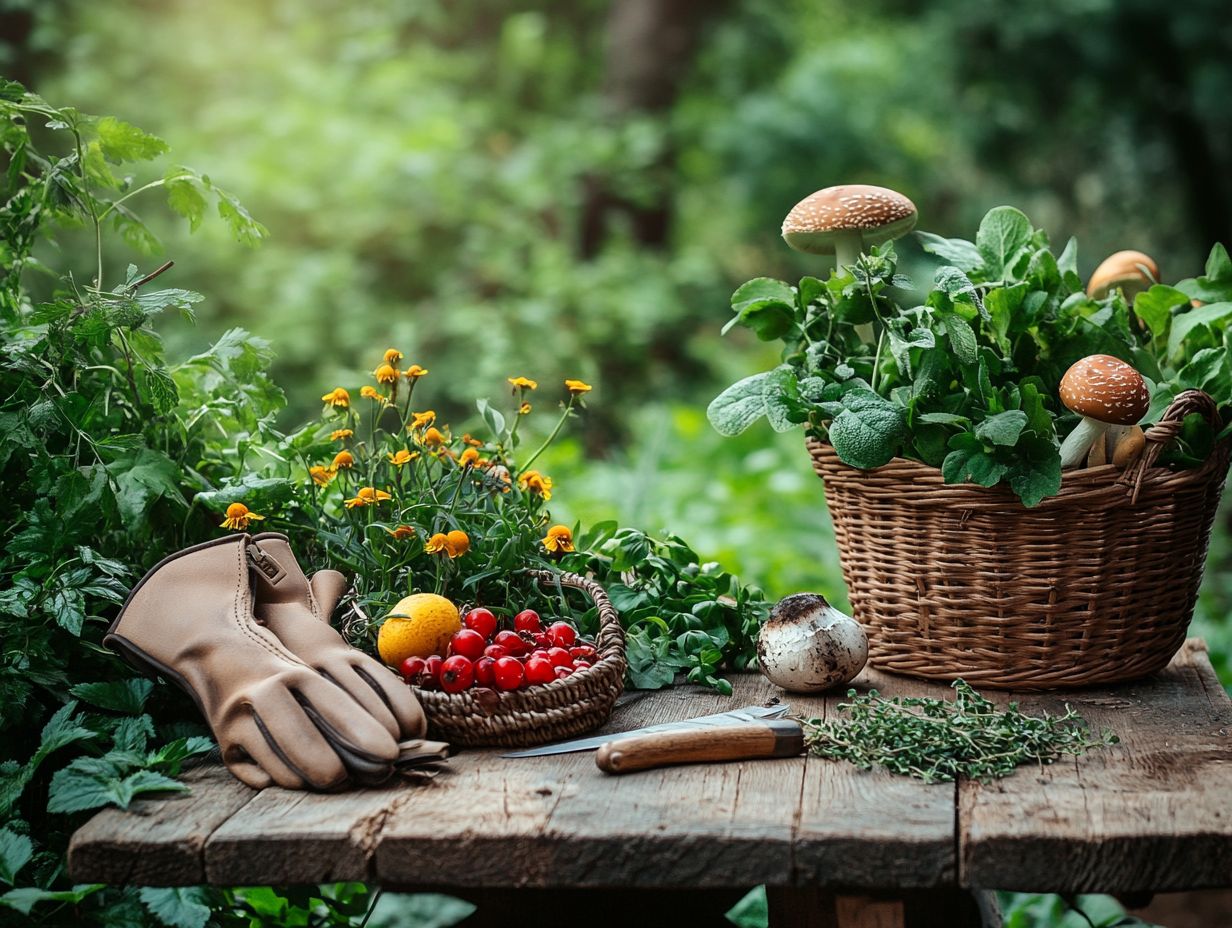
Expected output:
(477, 182)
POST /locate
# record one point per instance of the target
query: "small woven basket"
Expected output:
(575, 705)
(1094, 585)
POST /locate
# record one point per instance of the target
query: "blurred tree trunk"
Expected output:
(650, 46)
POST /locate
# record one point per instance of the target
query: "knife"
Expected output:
(771, 738)
(742, 716)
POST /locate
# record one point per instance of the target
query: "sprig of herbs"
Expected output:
(938, 740)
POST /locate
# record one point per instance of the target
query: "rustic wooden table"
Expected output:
(834, 845)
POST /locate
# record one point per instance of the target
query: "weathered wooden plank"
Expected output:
(158, 842)
(1152, 813)
(289, 836)
(560, 821)
(874, 829)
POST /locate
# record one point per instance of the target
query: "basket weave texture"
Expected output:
(1094, 585)
(560, 709)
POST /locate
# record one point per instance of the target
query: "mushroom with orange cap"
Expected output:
(1131, 271)
(1108, 394)
(844, 220)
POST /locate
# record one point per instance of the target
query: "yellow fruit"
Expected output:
(429, 623)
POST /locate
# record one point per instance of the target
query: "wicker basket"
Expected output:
(1094, 585)
(560, 709)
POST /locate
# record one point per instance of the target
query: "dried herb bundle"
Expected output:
(938, 740)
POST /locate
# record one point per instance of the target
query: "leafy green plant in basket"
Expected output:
(966, 380)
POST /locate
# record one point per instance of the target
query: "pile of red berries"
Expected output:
(482, 654)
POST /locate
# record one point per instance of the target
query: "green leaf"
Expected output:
(954, 283)
(1003, 428)
(784, 408)
(965, 465)
(761, 289)
(178, 906)
(25, 898)
(868, 432)
(1003, 233)
(15, 852)
(89, 782)
(161, 389)
(740, 405)
(960, 253)
(245, 229)
(254, 491)
(127, 696)
(493, 419)
(943, 418)
(142, 480)
(1209, 371)
(121, 141)
(766, 306)
(1154, 307)
(184, 195)
(1185, 323)
(1036, 472)
(962, 339)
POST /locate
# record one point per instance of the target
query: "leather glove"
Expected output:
(297, 612)
(190, 620)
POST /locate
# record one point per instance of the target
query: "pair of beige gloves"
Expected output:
(237, 624)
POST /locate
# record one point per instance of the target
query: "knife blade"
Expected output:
(741, 716)
(772, 738)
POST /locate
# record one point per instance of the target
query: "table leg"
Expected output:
(805, 907)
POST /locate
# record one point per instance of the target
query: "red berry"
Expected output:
(412, 668)
(562, 672)
(511, 642)
(495, 651)
(430, 679)
(541, 639)
(457, 674)
(507, 673)
(467, 642)
(526, 621)
(581, 665)
(481, 620)
(559, 657)
(485, 674)
(562, 634)
(539, 670)
(582, 652)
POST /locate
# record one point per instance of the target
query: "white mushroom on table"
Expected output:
(844, 220)
(1110, 396)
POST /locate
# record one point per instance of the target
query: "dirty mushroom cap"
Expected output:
(1106, 389)
(1125, 269)
(877, 214)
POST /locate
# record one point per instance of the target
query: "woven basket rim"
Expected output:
(486, 702)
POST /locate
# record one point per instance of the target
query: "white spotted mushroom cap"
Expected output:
(1106, 389)
(876, 213)
(1132, 271)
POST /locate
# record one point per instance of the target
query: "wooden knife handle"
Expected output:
(778, 738)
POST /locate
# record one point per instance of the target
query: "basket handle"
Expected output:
(1159, 435)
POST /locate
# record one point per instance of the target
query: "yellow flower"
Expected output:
(469, 457)
(401, 533)
(559, 539)
(524, 382)
(433, 437)
(414, 372)
(537, 483)
(320, 475)
(337, 397)
(402, 456)
(421, 420)
(473, 442)
(238, 517)
(524, 409)
(367, 496)
(370, 393)
(577, 387)
(457, 543)
(343, 460)
(385, 374)
(437, 543)
(392, 355)
(340, 434)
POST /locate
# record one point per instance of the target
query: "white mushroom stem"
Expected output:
(1079, 441)
(848, 246)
